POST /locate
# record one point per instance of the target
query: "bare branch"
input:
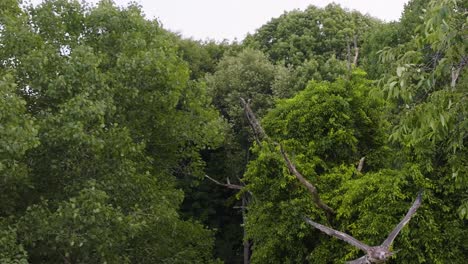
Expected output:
(356, 51)
(260, 133)
(376, 254)
(403, 222)
(455, 74)
(340, 235)
(361, 164)
(313, 191)
(348, 55)
(227, 185)
(361, 260)
(247, 243)
(456, 71)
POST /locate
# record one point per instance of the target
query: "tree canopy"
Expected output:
(123, 142)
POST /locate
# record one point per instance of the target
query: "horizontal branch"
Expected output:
(227, 185)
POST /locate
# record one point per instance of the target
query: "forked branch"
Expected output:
(376, 254)
(227, 185)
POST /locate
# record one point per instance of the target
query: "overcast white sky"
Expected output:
(233, 19)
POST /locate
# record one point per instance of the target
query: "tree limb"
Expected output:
(260, 133)
(340, 235)
(403, 222)
(348, 55)
(227, 185)
(456, 71)
(356, 51)
(361, 260)
(312, 190)
(376, 254)
(361, 164)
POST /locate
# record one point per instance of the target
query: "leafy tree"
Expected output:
(202, 57)
(384, 35)
(411, 18)
(248, 74)
(104, 120)
(427, 83)
(18, 134)
(289, 81)
(326, 126)
(298, 36)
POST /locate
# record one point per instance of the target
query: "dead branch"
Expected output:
(348, 55)
(456, 71)
(361, 164)
(310, 187)
(356, 51)
(376, 254)
(227, 185)
(260, 133)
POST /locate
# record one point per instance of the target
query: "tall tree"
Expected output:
(298, 36)
(427, 83)
(108, 119)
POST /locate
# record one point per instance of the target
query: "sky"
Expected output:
(233, 19)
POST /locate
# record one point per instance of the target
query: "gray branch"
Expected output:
(227, 185)
(376, 254)
(361, 164)
(260, 134)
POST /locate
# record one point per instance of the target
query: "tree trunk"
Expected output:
(356, 51)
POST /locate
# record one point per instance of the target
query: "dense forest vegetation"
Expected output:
(122, 142)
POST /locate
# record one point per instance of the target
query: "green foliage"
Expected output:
(10, 251)
(18, 134)
(329, 119)
(83, 229)
(97, 122)
(323, 127)
(298, 36)
(384, 35)
(202, 57)
(248, 74)
(108, 123)
(326, 128)
(289, 81)
(431, 103)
